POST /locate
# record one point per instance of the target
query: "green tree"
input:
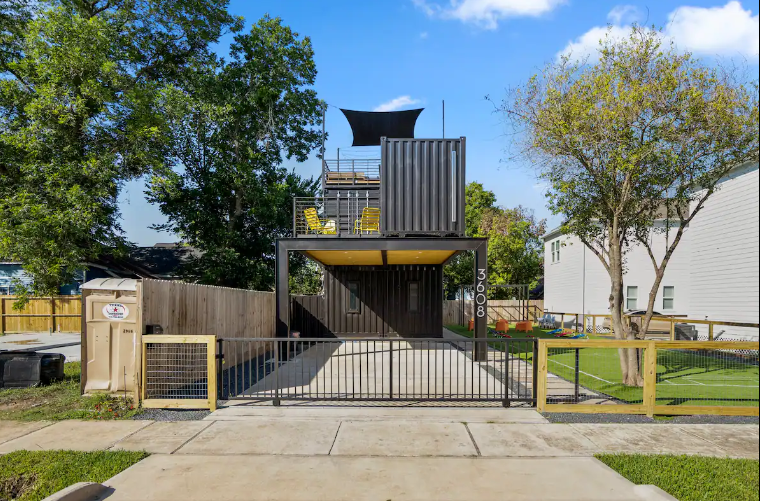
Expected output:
(306, 279)
(515, 248)
(643, 135)
(231, 126)
(78, 85)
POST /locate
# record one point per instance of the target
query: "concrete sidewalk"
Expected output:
(506, 433)
(334, 453)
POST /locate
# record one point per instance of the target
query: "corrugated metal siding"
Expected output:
(420, 191)
(307, 316)
(384, 301)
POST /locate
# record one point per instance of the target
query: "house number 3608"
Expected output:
(480, 293)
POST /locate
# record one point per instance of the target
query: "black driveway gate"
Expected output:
(378, 369)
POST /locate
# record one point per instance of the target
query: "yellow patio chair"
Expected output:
(316, 225)
(369, 222)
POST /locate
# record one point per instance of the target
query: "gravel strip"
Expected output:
(571, 417)
(172, 415)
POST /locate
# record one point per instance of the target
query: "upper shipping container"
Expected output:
(422, 186)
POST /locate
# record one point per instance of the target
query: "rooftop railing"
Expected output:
(351, 172)
(333, 216)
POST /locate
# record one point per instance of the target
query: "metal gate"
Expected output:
(378, 369)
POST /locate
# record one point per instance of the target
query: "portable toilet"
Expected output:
(112, 343)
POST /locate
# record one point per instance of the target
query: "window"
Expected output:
(353, 297)
(555, 251)
(668, 297)
(414, 297)
(632, 295)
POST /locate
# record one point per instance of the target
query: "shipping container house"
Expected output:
(382, 231)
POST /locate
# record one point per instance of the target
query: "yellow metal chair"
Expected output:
(369, 222)
(316, 225)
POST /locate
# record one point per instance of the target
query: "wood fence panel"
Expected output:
(41, 314)
(510, 310)
(193, 309)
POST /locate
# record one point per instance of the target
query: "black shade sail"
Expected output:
(369, 126)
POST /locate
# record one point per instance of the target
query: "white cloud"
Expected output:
(723, 31)
(728, 30)
(424, 35)
(397, 103)
(621, 14)
(487, 13)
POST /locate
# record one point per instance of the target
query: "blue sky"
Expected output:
(415, 53)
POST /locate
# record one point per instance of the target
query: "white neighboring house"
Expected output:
(714, 272)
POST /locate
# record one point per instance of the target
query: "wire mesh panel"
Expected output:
(430, 369)
(179, 371)
(708, 377)
(648, 377)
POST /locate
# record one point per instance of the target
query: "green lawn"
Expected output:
(684, 378)
(690, 478)
(34, 475)
(61, 400)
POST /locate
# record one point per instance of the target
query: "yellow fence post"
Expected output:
(650, 377)
(593, 322)
(2, 316)
(710, 332)
(672, 329)
(542, 379)
(211, 362)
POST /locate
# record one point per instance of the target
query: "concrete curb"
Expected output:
(82, 491)
(652, 493)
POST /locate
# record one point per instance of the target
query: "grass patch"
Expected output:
(690, 478)
(683, 378)
(34, 475)
(61, 400)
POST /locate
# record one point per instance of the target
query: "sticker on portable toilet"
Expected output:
(115, 311)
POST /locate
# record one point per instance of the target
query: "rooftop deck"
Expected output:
(346, 173)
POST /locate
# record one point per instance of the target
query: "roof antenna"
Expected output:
(443, 118)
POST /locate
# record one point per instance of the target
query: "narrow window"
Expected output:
(558, 251)
(414, 297)
(353, 297)
(668, 297)
(632, 297)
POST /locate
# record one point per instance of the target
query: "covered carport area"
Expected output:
(383, 286)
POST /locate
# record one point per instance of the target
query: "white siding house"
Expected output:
(713, 272)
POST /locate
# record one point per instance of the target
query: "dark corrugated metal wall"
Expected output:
(307, 316)
(384, 301)
(420, 190)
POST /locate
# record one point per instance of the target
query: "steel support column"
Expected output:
(481, 300)
(282, 292)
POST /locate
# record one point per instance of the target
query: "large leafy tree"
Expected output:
(231, 126)
(515, 249)
(79, 79)
(642, 136)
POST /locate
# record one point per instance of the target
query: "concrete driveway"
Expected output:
(43, 342)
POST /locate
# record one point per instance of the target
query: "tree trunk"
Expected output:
(629, 360)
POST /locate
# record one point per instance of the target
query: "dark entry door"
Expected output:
(414, 301)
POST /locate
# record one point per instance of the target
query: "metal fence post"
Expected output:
(276, 400)
(294, 216)
(577, 374)
(390, 385)
(223, 395)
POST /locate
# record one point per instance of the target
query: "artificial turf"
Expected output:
(683, 377)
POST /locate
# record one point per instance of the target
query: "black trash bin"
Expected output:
(23, 369)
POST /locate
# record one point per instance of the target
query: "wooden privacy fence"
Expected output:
(179, 372)
(459, 311)
(41, 314)
(594, 323)
(679, 377)
(188, 309)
